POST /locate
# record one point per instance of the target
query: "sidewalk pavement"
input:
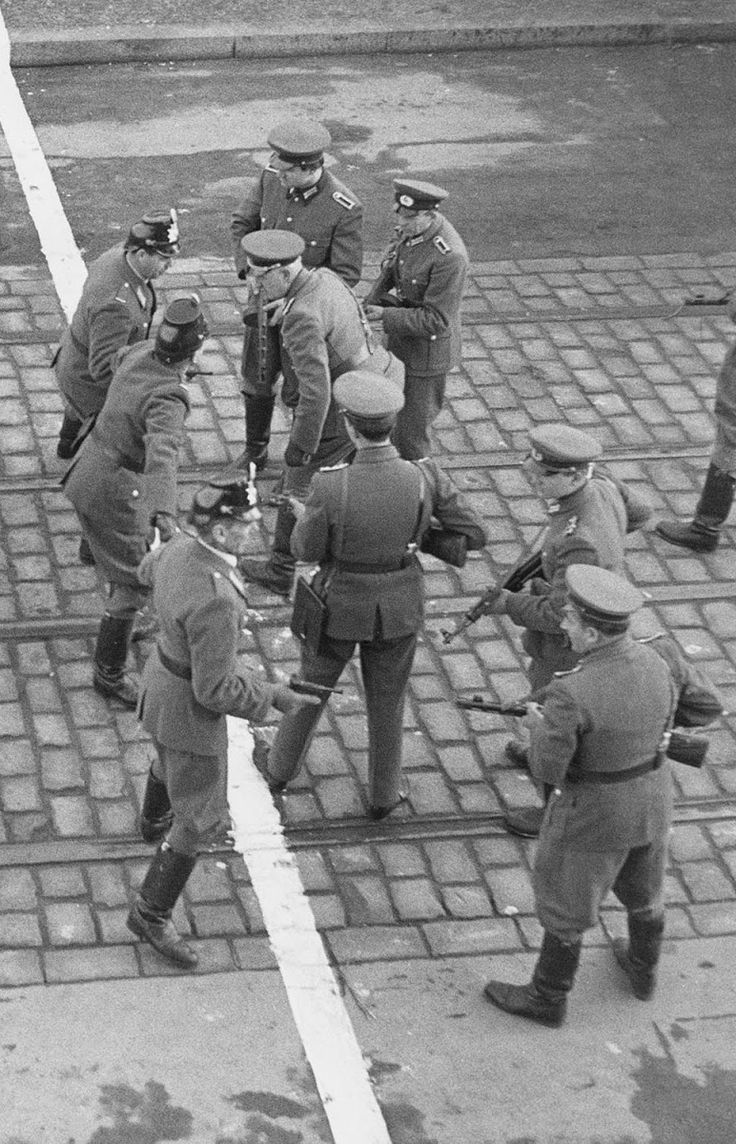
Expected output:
(46, 32)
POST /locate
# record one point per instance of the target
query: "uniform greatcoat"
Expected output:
(608, 715)
(425, 275)
(200, 601)
(115, 310)
(587, 527)
(125, 471)
(374, 592)
(328, 217)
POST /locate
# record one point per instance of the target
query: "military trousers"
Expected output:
(259, 378)
(197, 790)
(423, 399)
(385, 667)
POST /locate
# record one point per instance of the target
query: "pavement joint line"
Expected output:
(321, 835)
(65, 263)
(312, 988)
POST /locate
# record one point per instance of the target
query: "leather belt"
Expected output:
(374, 569)
(183, 670)
(615, 776)
(110, 450)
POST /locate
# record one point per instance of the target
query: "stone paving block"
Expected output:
(61, 881)
(17, 890)
(20, 967)
(467, 902)
(249, 902)
(431, 794)
(98, 742)
(451, 861)
(401, 859)
(211, 921)
(328, 911)
(340, 798)
(17, 757)
(376, 943)
(116, 819)
(511, 890)
(313, 871)
(107, 884)
(210, 881)
(448, 938)
(51, 730)
(706, 881)
(710, 919)
(460, 764)
(366, 900)
(416, 899)
(106, 778)
(102, 963)
(20, 930)
(20, 794)
(69, 923)
(61, 769)
(689, 843)
(11, 720)
(71, 816)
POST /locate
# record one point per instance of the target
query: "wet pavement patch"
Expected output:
(405, 1123)
(680, 1109)
(268, 1103)
(145, 1117)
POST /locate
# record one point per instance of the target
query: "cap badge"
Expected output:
(406, 201)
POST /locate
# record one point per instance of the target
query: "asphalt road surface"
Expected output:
(547, 152)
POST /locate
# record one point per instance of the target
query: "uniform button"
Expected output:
(135, 493)
(313, 242)
(433, 338)
(413, 281)
(289, 219)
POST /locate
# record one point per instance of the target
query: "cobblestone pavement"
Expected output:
(604, 343)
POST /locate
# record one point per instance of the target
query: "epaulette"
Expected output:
(287, 306)
(442, 246)
(570, 671)
(343, 200)
(334, 468)
(572, 526)
(650, 639)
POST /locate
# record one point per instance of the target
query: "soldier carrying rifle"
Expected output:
(590, 514)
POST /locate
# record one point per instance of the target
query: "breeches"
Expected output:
(197, 789)
(385, 667)
(259, 378)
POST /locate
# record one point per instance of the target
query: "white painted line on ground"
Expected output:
(314, 996)
(65, 263)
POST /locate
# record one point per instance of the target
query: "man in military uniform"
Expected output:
(115, 310)
(122, 481)
(590, 515)
(417, 301)
(294, 193)
(600, 742)
(324, 334)
(191, 682)
(369, 577)
(703, 532)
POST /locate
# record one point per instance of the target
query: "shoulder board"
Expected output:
(650, 639)
(572, 525)
(334, 468)
(571, 671)
(287, 306)
(343, 200)
(442, 246)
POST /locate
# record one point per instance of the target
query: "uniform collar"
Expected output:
(375, 454)
(611, 647)
(226, 556)
(569, 504)
(426, 236)
(299, 195)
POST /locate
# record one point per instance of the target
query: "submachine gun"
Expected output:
(529, 569)
(680, 746)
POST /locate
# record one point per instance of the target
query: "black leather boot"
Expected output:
(156, 814)
(277, 573)
(702, 533)
(150, 915)
(258, 414)
(639, 956)
(70, 427)
(544, 999)
(111, 652)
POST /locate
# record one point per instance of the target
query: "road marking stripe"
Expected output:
(314, 996)
(65, 263)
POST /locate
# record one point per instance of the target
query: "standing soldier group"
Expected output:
(359, 496)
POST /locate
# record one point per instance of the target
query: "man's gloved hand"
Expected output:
(166, 524)
(295, 457)
(493, 602)
(286, 700)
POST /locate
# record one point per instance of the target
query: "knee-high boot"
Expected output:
(111, 652)
(544, 999)
(150, 915)
(276, 573)
(639, 956)
(156, 814)
(702, 533)
(70, 427)
(258, 414)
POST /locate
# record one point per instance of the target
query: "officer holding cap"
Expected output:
(324, 333)
(191, 682)
(417, 300)
(599, 742)
(590, 514)
(122, 481)
(115, 310)
(294, 193)
(363, 523)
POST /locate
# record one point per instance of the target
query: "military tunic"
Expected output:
(125, 471)
(201, 605)
(587, 527)
(374, 595)
(426, 276)
(330, 220)
(606, 716)
(115, 310)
